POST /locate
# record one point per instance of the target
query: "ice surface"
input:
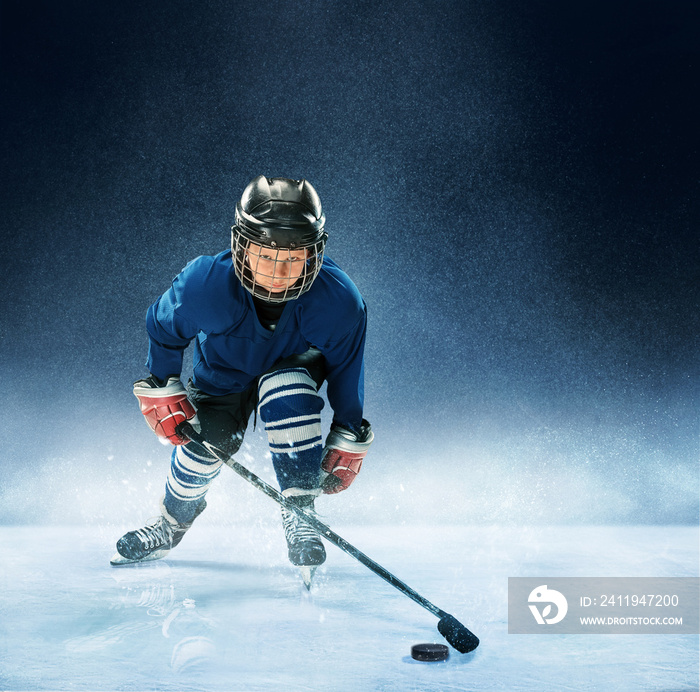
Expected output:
(221, 614)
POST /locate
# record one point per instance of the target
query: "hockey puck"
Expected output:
(430, 652)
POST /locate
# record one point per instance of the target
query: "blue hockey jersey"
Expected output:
(207, 303)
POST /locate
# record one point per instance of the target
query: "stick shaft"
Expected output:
(187, 430)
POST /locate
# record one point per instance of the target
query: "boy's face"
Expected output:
(275, 270)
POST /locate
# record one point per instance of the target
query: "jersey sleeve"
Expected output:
(177, 317)
(345, 374)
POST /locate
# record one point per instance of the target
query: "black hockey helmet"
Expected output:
(284, 217)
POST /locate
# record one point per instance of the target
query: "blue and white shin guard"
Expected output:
(290, 407)
(188, 482)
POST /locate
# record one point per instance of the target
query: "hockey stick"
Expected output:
(449, 627)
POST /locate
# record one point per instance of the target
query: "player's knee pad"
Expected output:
(287, 393)
(290, 407)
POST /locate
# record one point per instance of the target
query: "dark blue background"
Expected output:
(513, 187)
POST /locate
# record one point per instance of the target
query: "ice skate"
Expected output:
(304, 545)
(153, 542)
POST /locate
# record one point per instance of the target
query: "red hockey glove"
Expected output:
(343, 455)
(165, 405)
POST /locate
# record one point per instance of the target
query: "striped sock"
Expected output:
(188, 482)
(290, 407)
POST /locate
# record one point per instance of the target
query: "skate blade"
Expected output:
(118, 559)
(307, 574)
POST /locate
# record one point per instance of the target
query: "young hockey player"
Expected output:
(271, 320)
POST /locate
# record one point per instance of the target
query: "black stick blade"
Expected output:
(457, 634)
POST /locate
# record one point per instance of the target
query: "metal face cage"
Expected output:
(275, 274)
